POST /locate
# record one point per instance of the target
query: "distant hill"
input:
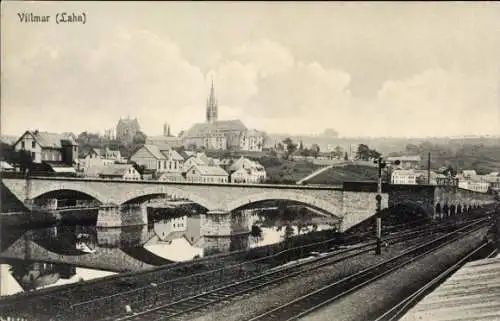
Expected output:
(385, 145)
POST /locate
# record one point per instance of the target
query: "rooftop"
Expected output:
(115, 169)
(203, 129)
(155, 151)
(472, 293)
(51, 140)
(210, 170)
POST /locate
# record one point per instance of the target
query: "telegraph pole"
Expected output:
(378, 217)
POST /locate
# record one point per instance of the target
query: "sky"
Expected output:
(411, 69)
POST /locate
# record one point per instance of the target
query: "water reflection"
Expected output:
(66, 253)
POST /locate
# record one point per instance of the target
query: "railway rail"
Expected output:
(190, 285)
(17, 305)
(313, 301)
(399, 309)
(179, 308)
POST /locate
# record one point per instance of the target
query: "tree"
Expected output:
(301, 146)
(412, 149)
(338, 152)
(374, 154)
(345, 156)
(24, 160)
(315, 150)
(256, 232)
(450, 171)
(291, 147)
(288, 232)
(139, 138)
(363, 152)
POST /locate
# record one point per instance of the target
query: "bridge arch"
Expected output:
(85, 190)
(334, 209)
(157, 190)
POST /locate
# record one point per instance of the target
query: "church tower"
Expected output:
(212, 106)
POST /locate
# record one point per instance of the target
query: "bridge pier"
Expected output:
(112, 215)
(219, 231)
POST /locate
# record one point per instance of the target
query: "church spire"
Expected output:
(211, 105)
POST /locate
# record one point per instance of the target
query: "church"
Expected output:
(222, 134)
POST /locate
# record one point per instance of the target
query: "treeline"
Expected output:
(483, 158)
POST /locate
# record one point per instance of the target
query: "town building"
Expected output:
(126, 129)
(206, 174)
(153, 157)
(221, 134)
(150, 157)
(191, 161)
(470, 180)
(405, 162)
(245, 170)
(252, 140)
(167, 139)
(401, 176)
(119, 171)
(44, 146)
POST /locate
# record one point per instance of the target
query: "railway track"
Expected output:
(398, 310)
(193, 284)
(60, 298)
(179, 308)
(313, 301)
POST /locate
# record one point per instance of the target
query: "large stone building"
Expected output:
(221, 134)
(167, 140)
(126, 129)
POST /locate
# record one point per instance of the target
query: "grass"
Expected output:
(287, 171)
(338, 175)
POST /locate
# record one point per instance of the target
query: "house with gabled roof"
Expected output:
(150, 157)
(45, 146)
(206, 174)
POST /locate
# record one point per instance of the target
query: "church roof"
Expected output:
(203, 129)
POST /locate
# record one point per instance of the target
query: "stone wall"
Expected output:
(359, 206)
(110, 215)
(413, 195)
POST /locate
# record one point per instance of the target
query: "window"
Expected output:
(33, 155)
(22, 145)
(33, 144)
(159, 164)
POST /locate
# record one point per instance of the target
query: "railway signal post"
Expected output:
(378, 218)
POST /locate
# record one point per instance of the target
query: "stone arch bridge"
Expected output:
(352, 202)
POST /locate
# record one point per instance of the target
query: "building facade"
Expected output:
(126, 129)
(221, 134)
(206, 174)
(44, 146)
(120, 171)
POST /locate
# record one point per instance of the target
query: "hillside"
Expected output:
(280, 171)
(338, 175)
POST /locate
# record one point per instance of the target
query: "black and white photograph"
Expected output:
(250, 161)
